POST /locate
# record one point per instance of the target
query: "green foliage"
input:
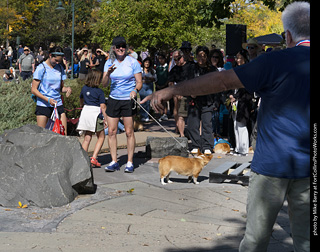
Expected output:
(17, 108)
(155, 25)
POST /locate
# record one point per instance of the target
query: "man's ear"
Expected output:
(289, 41)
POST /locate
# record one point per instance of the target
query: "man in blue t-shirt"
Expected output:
(281, 162)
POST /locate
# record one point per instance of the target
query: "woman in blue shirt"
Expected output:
(124, 72)
(47, 85)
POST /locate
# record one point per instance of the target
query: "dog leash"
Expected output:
(136, 102)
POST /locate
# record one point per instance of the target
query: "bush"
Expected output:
(17, 108)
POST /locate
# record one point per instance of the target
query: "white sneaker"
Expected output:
(194, 151)
(164, 117)
(207, 152)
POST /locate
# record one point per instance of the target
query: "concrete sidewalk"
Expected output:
(134, 212)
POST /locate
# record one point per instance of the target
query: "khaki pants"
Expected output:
(265, 199)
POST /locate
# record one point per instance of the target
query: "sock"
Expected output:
(112, 162)
(129, 163)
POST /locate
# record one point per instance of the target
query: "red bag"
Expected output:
(57, 126)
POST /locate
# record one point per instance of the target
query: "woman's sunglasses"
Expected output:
(121, 45)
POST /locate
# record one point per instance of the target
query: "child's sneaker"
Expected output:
(94, 162)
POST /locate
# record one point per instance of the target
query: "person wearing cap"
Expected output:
(253, 48)
(124, 73)
(186, 49)
(48, 82)
(26, 64)
(85, 58)
(280, 168)
(7, 76)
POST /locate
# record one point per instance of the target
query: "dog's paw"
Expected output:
(197, 183)
(170, 182)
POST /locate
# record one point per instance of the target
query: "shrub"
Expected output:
(17, 108)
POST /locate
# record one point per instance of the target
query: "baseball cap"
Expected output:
(118, 41)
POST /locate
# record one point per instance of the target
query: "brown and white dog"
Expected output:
(190, 167)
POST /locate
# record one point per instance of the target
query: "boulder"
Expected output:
(158, 147)
(42, 168)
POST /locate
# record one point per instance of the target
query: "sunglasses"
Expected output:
(250, 47)
(121, 45)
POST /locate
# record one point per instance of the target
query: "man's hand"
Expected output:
(158, 99)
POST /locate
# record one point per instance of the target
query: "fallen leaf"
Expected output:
(130, 214)
(227, 191)
(236, 210)
(7, 209)
(207, 238)
(131, 190)
(227, 198)
(103, 228)
(219, 157)
(145, 245)
(21, 206)
(218, 234)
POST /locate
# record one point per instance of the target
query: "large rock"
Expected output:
(42, 168)
(158, 147)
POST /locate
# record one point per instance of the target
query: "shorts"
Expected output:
(121, 108)
(47, 111)
(99, 125)
(183, 107)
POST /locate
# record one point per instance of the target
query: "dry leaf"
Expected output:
(228, 198)
(236, 210)
(207, 238)
(7, 209)
(219, 157)
(227, 191)
(21, 206)
(131, 190)
(218, 234)
(130, 214)
(103, 228)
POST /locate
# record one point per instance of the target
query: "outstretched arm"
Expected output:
(210, 83)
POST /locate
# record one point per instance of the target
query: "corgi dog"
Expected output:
(190, 167)
(222, 148)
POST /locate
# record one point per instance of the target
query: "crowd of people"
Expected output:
(230, 114)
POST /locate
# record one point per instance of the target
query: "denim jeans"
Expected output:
(147, 89)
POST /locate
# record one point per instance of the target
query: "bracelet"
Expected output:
(135, 90)
(49, 100)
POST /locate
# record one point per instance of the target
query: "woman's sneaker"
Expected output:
(129, 168)
(113, 166)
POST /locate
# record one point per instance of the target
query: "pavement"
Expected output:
(134, 212)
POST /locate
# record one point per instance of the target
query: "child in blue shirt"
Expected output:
(93, 115)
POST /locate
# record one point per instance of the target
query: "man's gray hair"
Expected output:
(296, 19)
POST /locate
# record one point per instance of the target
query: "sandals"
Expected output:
(94, 162)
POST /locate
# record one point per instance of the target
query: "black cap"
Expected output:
(118, 40)
(186, 45)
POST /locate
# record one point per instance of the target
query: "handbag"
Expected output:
(54, 123)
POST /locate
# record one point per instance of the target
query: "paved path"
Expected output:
(134, 212)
